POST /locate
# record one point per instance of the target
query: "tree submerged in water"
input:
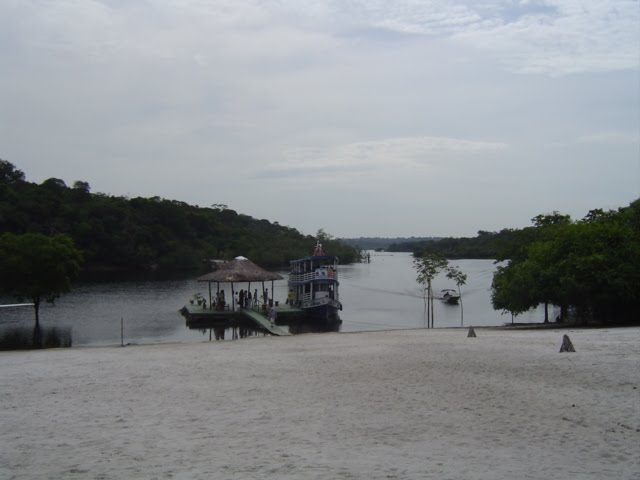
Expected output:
(455, 274)
(37, 267)
(429, 265)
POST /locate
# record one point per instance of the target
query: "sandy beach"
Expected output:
(411, 404)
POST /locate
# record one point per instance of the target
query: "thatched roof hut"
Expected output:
(240, 269)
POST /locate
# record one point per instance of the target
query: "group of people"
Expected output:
(243, 299)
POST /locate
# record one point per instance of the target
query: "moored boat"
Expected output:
(313, 284)
(449, 295)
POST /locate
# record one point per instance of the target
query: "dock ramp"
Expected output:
(264, 323)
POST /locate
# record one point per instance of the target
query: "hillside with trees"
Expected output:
(130, 235)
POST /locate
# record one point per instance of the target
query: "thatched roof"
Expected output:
(239, 269)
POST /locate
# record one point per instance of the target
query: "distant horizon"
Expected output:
(360, 118)
(523, 224)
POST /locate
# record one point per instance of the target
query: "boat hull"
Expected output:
(321, 308)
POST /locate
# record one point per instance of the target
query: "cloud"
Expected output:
(578, 37)
(611, 138)
(402, 101)
(550, 37)
(369, 158)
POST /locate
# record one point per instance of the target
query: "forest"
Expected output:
(590, 268)
(484, 245)
(383, 243)
(122, 236)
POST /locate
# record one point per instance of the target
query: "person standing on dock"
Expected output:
(273, 315)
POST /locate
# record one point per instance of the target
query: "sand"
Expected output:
(412, 404)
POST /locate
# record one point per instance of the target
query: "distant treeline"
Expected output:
(127, 235)
(484, 245)
(589, 268)
(374, 243)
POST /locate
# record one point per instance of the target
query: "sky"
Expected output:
(361, 117)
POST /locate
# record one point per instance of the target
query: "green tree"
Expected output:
(588, 267)
(82, 186)
(428, 266)
(37, 267)
(322, 235)
(549, 219)
(531, 276)
(511, 289)
(9, 173)
(455, 274)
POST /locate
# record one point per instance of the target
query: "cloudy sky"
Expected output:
(361, 117)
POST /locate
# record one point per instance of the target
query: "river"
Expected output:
(379, 295)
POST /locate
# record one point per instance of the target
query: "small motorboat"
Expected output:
(449, 295)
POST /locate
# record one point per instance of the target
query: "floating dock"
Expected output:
(204, 318)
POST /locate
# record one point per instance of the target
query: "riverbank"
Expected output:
(394, 404)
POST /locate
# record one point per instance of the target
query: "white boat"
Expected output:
(449, 295)
(313, 284)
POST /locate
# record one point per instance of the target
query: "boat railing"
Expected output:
(317, 275)
(305, 297)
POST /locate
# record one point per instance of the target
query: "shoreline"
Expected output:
(532, 326)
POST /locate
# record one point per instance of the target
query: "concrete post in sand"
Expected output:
(567, 346)
(472, 333)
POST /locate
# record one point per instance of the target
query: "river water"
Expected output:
(379, 295)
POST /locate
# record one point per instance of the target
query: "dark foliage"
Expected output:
(122, 235)
(588, 268)
(485, 245)
(24, 338)
(395, 244)
(37, 267)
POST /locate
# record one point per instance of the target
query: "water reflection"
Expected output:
(379, 295)
(315, 326)
(238, 327)
(233, 333)
(25, 338)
